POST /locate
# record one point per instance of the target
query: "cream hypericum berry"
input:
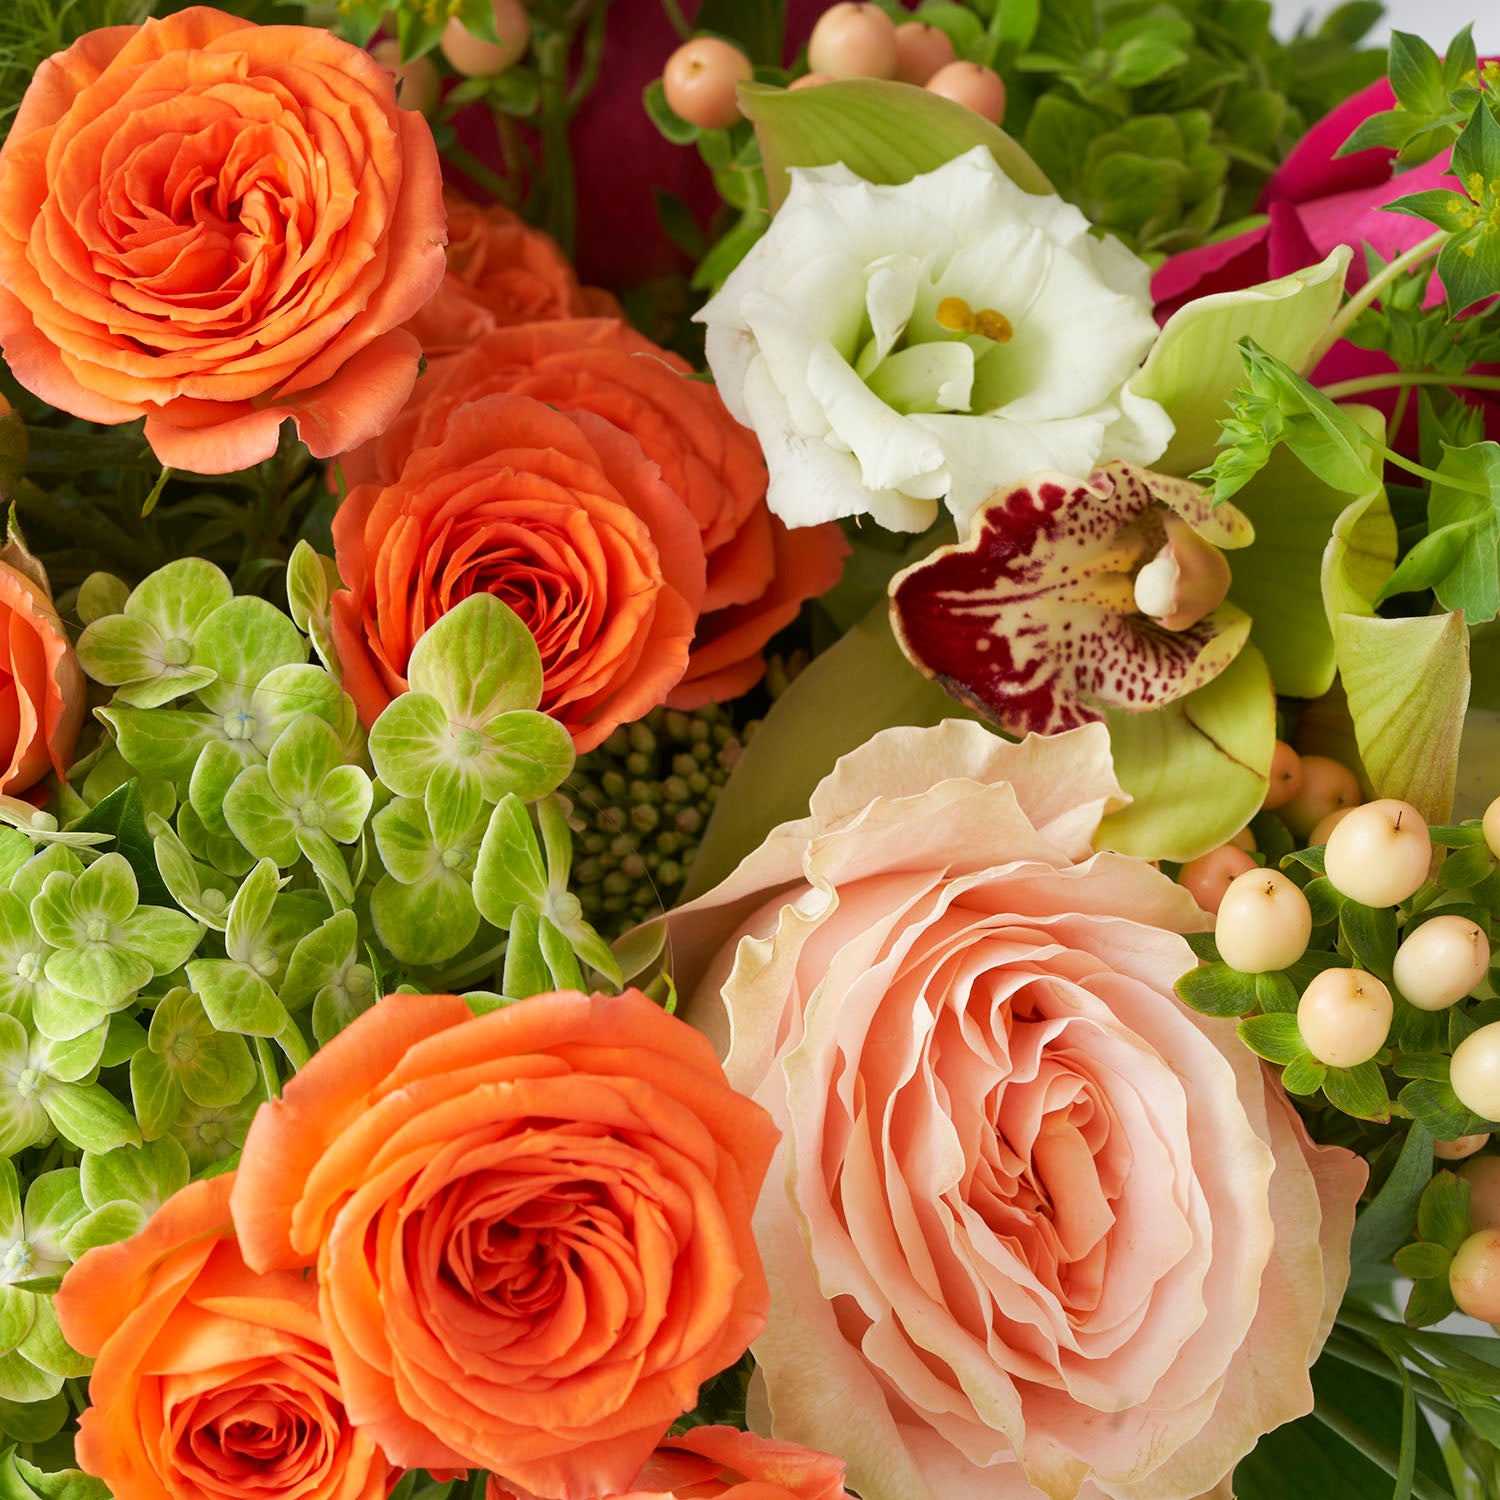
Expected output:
(700, 80)
(1476, 1071)
(1327, 785)
(1285, 776)
(972, 85)
(1264, 922)
(853, 41)
(920, 51)
(418, 83)
(1492, 827)
(1461, 1149)
(1441, 961)
(1208, 877)
(1474, 1276)
(1380, 854)
(809, 81)
(1482, 1173)
(1345, 1016)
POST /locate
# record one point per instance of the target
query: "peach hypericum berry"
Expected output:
(972, 85)
(1327, 785)
(853, 41)
(418, 83)
(475, 57)
(1285, 776)
(700, 81)
(1208, 877)
(920, 51)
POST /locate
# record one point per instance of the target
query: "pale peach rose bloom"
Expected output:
(1034, 1228)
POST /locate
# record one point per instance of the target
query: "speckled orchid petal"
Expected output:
(1033, 620)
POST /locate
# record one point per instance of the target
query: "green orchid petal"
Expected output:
(1195, 367)
(1197, 769)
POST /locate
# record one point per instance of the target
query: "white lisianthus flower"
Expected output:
(894, 347)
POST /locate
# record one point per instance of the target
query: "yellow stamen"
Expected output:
(989, 324)
(954, 314)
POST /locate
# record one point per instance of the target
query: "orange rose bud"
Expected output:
(209, 1380)
(501, 272)
(42, 689)
(759, 571)
(218, 226)
(531, 1228)
(557, 513)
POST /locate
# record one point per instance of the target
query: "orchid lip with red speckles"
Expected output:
(1035, 621)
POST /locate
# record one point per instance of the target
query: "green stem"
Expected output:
(474, 169)
(1404, 380)
(1373, 1449)
(1349, 1350)
(561, 210)
(1371, 290)
(265, 1060)
(1398, 416)
(680, 23)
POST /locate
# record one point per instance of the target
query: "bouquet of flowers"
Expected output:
(747, 751)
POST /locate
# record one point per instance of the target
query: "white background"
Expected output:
(1437, 20)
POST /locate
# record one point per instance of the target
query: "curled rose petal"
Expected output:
(1034, 620)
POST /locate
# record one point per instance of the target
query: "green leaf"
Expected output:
(1417, 1261)
(1386, 1222)
(1416, 76)
(409, 741)
(678, 131)
(1217, 990)
(1194, 368)
(509, 871)
(1433, 557)
(1407, 682)
(1465, 528)
(478, 660)
(311, 581)
(1443, 1213)
(160, 743)
(883, 132)
(20, 1480)
(558, 955)
(1358, 1091)
(426, 923)
(1273, 1037)
(90, 1116)
(1434, 1104)
(1303, 1076)
(236, 998)
(1197, 769)
(34, 1422)
(122, 814)
(526, 971)
(1370, 933)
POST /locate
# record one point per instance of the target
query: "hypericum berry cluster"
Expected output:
(850, 40)
(1362, 965)
(640, 804)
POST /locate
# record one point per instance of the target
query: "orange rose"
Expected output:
(218, 226)
(209, 1380)
(560, 515)
(501, 272)
(759, 572)
(42, 688)
(531, 1228)
(723, 1463)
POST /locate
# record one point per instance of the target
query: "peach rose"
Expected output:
(218, 226)
(560, 515)
(42, 687)
(209, 1380)
(759, 572)
(501, 272)
(1035, 1228)
(723, 1463)
(531, 1229)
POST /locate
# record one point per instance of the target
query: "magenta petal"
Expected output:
(1224, 266)
(1314, 171)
